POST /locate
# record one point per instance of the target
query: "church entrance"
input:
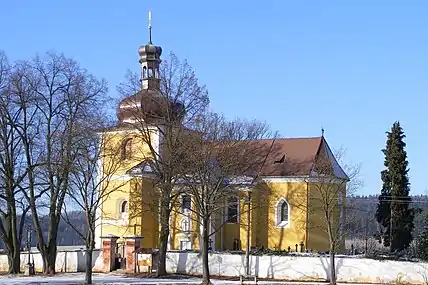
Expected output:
(119, 257)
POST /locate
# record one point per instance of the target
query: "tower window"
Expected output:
(150, 73)
(124, 207)
(126, 148)
(144, 72)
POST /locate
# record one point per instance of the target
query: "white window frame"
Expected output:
(278, 222)
(238, 212)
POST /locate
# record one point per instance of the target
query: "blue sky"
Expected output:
(353, 67)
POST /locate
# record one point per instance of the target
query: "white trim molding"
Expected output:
(304, 179)
(98, 211)
(116, 222)
(121, 177)
(279, 223)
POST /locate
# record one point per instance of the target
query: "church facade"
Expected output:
(285, 205)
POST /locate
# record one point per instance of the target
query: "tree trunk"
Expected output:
(332, 268)
(49, 258)
(205, 244)
(163, 237)
(90, 245)
(52, 260)
(10, 236)
(163, 246)
(88, 271)
(50, 252)
(15, 261)
(12, 248)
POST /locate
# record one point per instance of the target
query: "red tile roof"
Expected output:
(287, 156)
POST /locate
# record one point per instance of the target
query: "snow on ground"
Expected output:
(116, 279)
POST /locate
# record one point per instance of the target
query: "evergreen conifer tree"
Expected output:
(422, 241)
(393, 212)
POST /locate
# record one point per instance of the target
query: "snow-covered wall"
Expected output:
(348, 269)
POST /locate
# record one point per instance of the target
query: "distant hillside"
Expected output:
(363, 209)
(66, 234)
(362, 213)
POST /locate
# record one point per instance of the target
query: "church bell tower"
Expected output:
(150, 61)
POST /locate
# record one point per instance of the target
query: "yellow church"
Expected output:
(285, 203)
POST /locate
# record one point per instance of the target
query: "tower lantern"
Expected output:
(150, 61)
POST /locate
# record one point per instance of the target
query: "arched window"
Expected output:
(185, 225)
(282, 213)
(126, 148)
(124, 207)
(144, 72)
(232, 209)
(150, 73)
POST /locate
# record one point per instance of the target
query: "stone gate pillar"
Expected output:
(109, 251)
(132, 244)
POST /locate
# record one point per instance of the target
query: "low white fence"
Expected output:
(66, 261)
(302, 268)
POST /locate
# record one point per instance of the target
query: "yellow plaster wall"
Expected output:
(111, 208)
(232, 231)
(144, 211)
(296, 195)
(260, 231)
(112, 146)
(320, 195)
(263, 229)
(175, 230)
(243, 219)
(120, 188)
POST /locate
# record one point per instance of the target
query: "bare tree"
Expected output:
(12, 172)
(222, 159)
(168, 113)
(360, 226)
(97, 161)
(56, 96)
(331, 183)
